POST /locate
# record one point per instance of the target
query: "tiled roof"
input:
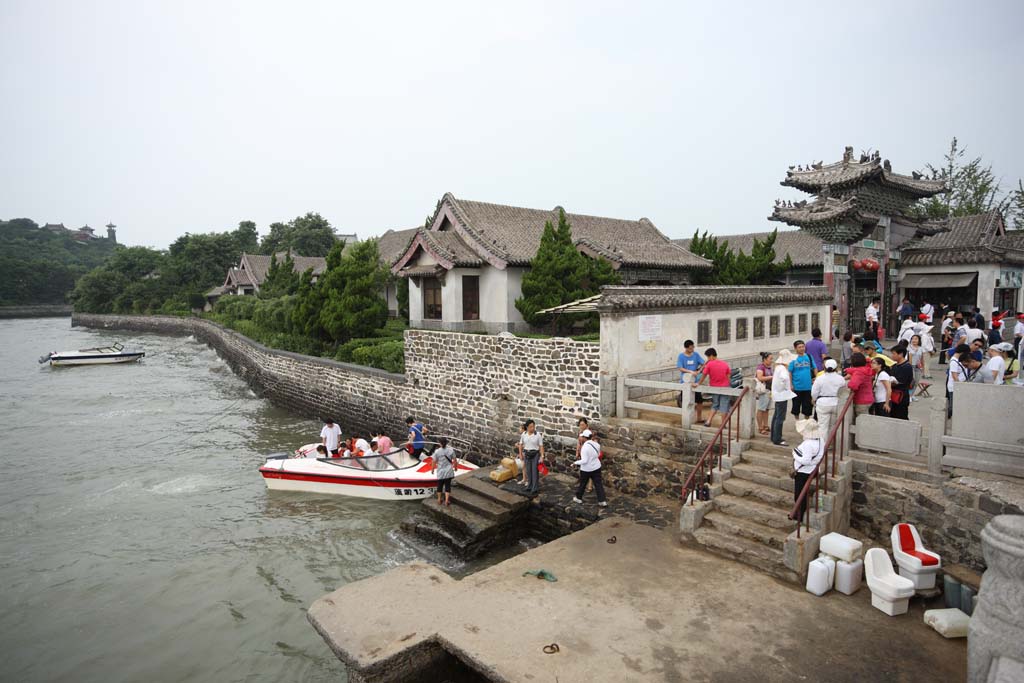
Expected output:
(848, 174)
(450, 247)
(803, 248)
(218, 291)
(623, 298)
(979, 238)
(257, 265)
(512, 234)
(392, 244)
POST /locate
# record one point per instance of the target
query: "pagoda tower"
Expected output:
(860, 210)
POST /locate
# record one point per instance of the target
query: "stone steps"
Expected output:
(745, 528)
(476, 502)
(764, 494)
(761, 557)
(480, 483)
(463, 519)
(774, 516)
(777, 461)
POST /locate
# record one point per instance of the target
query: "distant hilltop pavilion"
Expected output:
(84, 233)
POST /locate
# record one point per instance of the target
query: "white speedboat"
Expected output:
(392, 476)
(115, 353)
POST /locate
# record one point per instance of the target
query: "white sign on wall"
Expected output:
(650, 327)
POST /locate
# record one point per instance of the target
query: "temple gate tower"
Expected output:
(859, 209)
(112, 232)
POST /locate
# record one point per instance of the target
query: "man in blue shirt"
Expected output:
(802, 374)
(817, 350)
(906, 310)
(690, 363)
(416, 432)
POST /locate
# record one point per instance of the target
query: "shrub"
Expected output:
(274, 315)
(389, 355)
(345, 352)
(231, 308)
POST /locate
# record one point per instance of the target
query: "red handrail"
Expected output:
(839, 426)
(717, 438)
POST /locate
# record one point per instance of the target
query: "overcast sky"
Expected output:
(177, 116)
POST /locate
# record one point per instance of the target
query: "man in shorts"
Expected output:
(717, 373)
(330, 436)
(689, 363)
(416, 440)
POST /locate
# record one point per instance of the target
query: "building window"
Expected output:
(741, 329)
(815, 321)
(789, 324)
(431, 298)
(470, 297)
(703, 332)
(773, 326)
(724, 330)
(803, 323)
(759, 328)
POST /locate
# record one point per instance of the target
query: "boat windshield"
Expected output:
(398, 459)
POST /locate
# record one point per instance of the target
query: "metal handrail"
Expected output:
(716, 439)
(838, 427)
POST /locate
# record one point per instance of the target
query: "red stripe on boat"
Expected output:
(352, 481)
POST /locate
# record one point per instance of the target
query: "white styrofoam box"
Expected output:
(841, 547)
(848, 576)
(820, 575)
(949, 622)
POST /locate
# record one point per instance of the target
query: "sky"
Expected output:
(168, 117)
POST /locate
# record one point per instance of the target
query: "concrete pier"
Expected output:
(640, 609)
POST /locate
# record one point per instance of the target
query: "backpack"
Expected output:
(736, 378)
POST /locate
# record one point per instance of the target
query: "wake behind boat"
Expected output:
(115, 353)
(392, 476)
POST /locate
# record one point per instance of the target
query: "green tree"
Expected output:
(558, 274)
(973, 187)
(353, 303)
(247, 240)
(739, 268)
(97, 290)
(309, 235)
(402, 295)
(281, 278)
(309, 300)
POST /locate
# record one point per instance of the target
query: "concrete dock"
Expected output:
(642, 608)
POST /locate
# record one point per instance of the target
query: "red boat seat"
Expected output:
(908, 546)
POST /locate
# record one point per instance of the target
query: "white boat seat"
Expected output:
(890, 592)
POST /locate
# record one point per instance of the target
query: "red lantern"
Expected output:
(871, 264)
(856, 265)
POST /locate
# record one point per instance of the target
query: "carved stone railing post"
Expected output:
(995, 638)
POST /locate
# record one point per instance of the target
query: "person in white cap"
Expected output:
(590, 469)
(806, 457)
(782, 392)
(994, 369)
(825, 393)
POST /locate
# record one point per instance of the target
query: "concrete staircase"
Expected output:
(747, 516)
(481, 516)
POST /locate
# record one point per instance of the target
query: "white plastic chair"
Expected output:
(915, 562)
(890, 592)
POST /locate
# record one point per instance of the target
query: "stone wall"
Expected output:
(36, 311)
(477, 388)
(949, 513)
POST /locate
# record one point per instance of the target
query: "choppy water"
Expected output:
(137, 540)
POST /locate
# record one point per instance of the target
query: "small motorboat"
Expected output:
(392, 476)
(115, 353)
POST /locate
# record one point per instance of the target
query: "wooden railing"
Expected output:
(840, 447)
(706, 462)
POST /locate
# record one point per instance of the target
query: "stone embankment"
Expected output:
(476, 387)
(36, 311)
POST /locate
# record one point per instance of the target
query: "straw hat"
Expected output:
(785, 357)
(808, 428)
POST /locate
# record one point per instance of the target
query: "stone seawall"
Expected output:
(36, 311)
(475, 387)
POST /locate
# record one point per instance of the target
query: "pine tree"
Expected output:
(559, 274)
(739, 268)
(353, 305)
(281, 278)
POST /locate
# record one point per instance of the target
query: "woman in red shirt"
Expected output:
(860, 380)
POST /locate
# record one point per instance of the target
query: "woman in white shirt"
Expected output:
(782, 393)
(590, 469)
(993, 371)
(882, 387)
(825, 392)
(806, 458)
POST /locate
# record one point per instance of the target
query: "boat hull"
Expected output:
(407, 484)
(97, 359)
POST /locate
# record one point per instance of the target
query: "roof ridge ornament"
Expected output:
(848, 155)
